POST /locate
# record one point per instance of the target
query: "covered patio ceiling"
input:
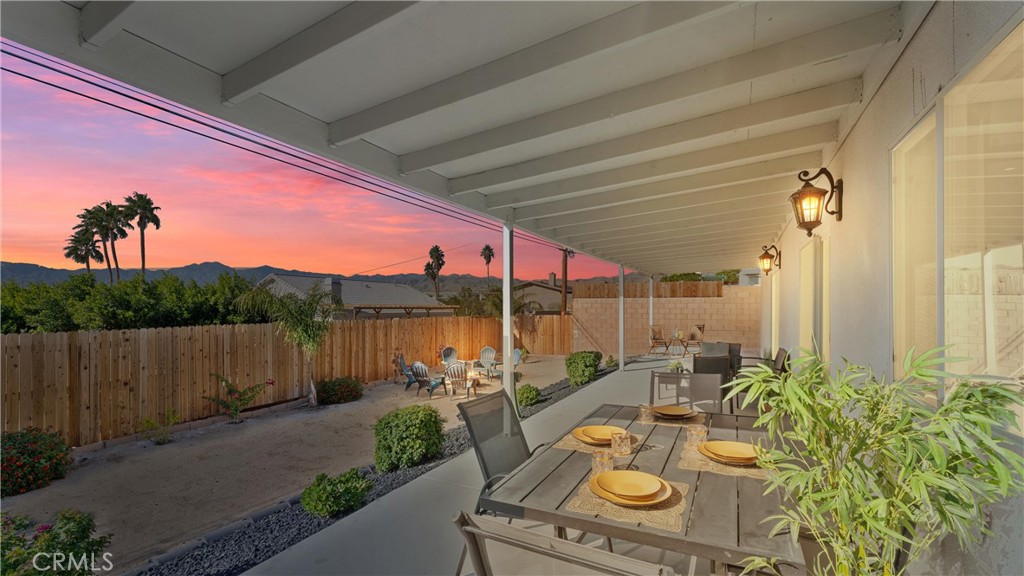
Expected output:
(661, 136)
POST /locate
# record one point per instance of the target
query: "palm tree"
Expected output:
(432, 269)
(83, 249)
(91, 224)
(305, 321)
(139, 207)
(487, 253)
(115, 224)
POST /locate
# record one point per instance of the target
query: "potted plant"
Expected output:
(871, 473)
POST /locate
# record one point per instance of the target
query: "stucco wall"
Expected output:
(952, 37)
(733, 318)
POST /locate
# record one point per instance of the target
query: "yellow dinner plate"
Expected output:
(660, 496)
(578, 434)
(601, 433)
(730, 461)
(673, 411)
(630, 484)
(731, 450)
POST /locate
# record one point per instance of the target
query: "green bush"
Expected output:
(328, 496)
(156, 432)
(339, 390)
(32, 459)
(527, 395)
(407, 436)
(611, 362)
(582, 366)
(71, 534)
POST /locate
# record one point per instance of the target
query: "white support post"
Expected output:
(508, 341)
(650, 301)
(622, 318)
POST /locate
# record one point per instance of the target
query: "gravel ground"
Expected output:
(267, 535)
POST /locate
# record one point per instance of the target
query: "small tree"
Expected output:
(487, 253)
(432, 269)
(305, 320)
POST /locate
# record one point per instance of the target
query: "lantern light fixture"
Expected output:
(810, 201)
(766, 260)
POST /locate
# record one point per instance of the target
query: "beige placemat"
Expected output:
(667, 515)
(691, 459)
(569, 442)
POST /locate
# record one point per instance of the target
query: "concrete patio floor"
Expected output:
(410, 530)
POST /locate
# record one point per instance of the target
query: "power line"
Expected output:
(408, 198)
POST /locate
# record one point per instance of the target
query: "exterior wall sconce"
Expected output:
(809, 201)
(767, 260)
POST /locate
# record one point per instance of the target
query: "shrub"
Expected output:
(407, 436)
(71, 534)
(236, 398)
(339, 390)
(156, 432)
(328, 496)
(582, 366)
(32, 459)
(611, 362)
(527, 395)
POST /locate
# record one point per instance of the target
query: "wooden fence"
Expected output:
(95, 386)
(706, 289)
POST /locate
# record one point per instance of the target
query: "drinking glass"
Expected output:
(646, 414)
(622, 443)
(696, 435)
(601, 461)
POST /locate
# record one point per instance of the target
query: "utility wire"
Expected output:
(409, 197)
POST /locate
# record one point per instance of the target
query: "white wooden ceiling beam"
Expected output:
(655, 236)
(353, 20)
(658, 226)
(818, 99)
(745, 192)
(99, 21)
(705, 252)
(689, 263)
(774, 145)
(672, 242)
(820, 46)
(673, 186)
(620, 28)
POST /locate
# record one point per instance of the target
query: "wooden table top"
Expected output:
(722, 518)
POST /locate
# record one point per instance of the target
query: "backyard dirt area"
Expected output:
(154, 498)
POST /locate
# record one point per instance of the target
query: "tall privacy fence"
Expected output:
(682, 289)
(95, 386)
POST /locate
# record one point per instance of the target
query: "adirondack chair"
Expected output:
(423, 379)
(487, 361)
(406, 371)
(449, 355)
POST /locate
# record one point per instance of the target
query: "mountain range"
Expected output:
(207, 272)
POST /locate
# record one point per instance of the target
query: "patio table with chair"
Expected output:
(715, 511)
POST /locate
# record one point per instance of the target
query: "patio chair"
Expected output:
(658, 340)
(517, 355)
(735, 358)
(423, 379)
(487, 361)
(714, 349)
(714, 365)
(692, 343)
(497, 548)
(676, 381)
(706, 389)
(781, 364)
(449, 355)
(406, 371)
(455, 376)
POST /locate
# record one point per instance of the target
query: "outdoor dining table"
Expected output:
(723, 513)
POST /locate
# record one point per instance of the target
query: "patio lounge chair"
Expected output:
(406, 371)
(423, 379)
(487, 361)
(658, 340)
(497, 548)
(449, 355)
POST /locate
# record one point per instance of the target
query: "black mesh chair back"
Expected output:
(714, 349)
(781, 361)
(674, 381)
(713, 365)
(735, 358)
(706, 393)
(496, 434)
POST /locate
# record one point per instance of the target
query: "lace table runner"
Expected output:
(569, 442)
(667, 515)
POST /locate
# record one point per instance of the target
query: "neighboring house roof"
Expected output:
(544, 285)
(357, 293)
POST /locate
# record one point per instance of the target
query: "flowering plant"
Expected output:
(71, 535)
(32, 459)
(237, 398)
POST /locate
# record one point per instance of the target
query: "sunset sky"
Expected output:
(62, 153)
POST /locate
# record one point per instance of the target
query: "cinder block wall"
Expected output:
(736, 317)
